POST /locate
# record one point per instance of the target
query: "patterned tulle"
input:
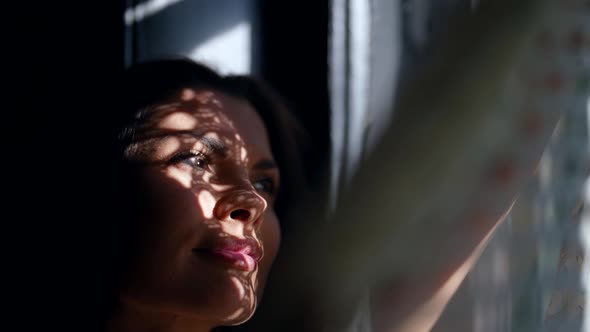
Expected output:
(529, 277)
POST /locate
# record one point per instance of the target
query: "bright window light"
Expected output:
(228, 52)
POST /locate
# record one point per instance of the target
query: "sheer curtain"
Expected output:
(529, 276)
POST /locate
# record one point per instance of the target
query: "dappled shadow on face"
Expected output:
(190, 143)
(246, 285)
(191, 115)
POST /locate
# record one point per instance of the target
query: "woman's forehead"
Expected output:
(212, 113)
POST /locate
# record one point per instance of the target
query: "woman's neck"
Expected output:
(132, 318)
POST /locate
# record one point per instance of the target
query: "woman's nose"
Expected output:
(243, 205)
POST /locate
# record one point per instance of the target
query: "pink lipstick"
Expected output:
(242, 254)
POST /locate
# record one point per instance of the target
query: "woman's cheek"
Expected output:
(179, 175)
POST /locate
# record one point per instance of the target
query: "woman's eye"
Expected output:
(265, 186)
(195, 160)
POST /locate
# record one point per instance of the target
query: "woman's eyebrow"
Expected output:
(213, 144)
(265, 164)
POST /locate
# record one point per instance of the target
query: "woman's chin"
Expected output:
(238, 317)
(238, 311)
(230, 303)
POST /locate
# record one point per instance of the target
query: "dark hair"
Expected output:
(148, 83)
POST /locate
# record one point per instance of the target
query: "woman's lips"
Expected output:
(239, 259)
(242, 254)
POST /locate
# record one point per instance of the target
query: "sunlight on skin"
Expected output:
(220, 187)
(186, 121)
(239, 285)
(206, 179)
(217, 139)
(243, 155)
(187, 94)
(178, 121)
(144, 152)
(207, 203)
(185, 180)
(236, 314)
(250, 280)
(213, 135)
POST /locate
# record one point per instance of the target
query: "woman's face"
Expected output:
(209, 231)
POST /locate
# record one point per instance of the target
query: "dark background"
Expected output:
(63, 62)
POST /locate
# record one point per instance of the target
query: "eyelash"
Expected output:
(200, 156)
